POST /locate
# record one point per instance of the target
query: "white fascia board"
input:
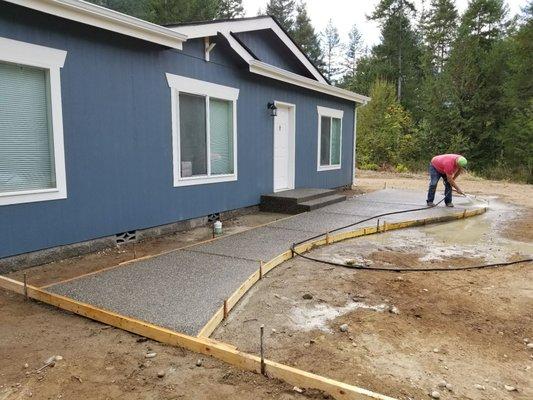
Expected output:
(101, 17)
(261, 68)
(225, 27)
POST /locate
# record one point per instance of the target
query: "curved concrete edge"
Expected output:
(263, 268)
(219, 350)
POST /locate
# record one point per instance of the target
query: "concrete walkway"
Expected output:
(181, 290)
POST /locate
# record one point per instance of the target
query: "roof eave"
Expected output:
(101, 17)
(270, 71)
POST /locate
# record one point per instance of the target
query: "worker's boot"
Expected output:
(450, 205)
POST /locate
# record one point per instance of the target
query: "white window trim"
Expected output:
(332, 113)
(52, 60)
(183, 84)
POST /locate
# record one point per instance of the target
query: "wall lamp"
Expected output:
(273, 109)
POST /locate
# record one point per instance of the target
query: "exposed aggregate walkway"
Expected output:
(181, 290)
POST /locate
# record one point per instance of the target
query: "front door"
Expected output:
(283, 149)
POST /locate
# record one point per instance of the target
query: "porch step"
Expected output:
(299, 200)
(321, 202)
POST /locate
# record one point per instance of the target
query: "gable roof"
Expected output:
(228, 28)
(101, 17)
(195, 30)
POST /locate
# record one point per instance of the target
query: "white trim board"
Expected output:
(292, 146)
(261, 68)
(187, 85)
(246, 25)
(331, 113)
(101, 17)
(52, 60)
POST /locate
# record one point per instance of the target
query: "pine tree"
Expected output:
(134, 8)
(439, 26)
(283, 11)
(332, 45)
(516, 133)
(304, 34)
(397, 58)
(352, 52)
(477, 69)
(229, 9)
(176, 11)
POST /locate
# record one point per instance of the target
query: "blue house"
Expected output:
(110, 124)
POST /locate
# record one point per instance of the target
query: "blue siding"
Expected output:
(117, 127)
(269, 48)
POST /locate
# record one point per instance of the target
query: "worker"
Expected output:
(448, 167)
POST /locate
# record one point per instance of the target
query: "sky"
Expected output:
(346, 13)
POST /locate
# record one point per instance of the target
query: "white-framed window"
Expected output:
(32, 155)
(204, 131)
(329, 138)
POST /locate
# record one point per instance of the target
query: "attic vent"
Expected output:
(126, 237)
(213, 217)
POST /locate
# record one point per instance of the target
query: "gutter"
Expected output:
(101, 17)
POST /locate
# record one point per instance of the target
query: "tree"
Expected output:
(476, 71)
(397, 57)
(385, 131)
(176, 11)
(283, 11)
(304, 34)
(516, 133)
(439, 26)
(135, 8)
(352, 52)
(332, 45)
(229, 9)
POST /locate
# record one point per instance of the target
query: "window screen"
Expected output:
(221, 136)
(335, 141)
(26, 143)
(193, 141)
(325, 131)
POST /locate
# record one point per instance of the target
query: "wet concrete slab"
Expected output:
(179, 290)
(182, 290)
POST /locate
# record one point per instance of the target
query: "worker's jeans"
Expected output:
(434, 177)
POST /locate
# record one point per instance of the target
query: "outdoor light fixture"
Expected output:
(273, 109)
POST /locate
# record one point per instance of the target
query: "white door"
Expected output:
(283, 156)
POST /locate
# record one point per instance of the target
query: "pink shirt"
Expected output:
(446, 163)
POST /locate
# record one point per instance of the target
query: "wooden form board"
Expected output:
(206, 346)
(218, 317)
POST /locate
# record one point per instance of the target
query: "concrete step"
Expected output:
(320, 202)
(297, 195)
(298, 200)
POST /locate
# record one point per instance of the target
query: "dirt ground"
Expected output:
(408, 334)
(477, 322)
(101, 362)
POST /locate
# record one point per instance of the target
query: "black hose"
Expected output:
(366, 267)
(365, 220)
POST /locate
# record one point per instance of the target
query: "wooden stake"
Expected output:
(377, 226)
(262, 350)
(25, 286)
(260, 269)
(327, 238)
(225, 309)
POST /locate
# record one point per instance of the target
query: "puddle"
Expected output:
(319, 315)
(475, 237)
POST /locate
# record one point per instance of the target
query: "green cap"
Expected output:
(461, 161)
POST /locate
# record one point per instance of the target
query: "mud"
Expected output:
(415, 330)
